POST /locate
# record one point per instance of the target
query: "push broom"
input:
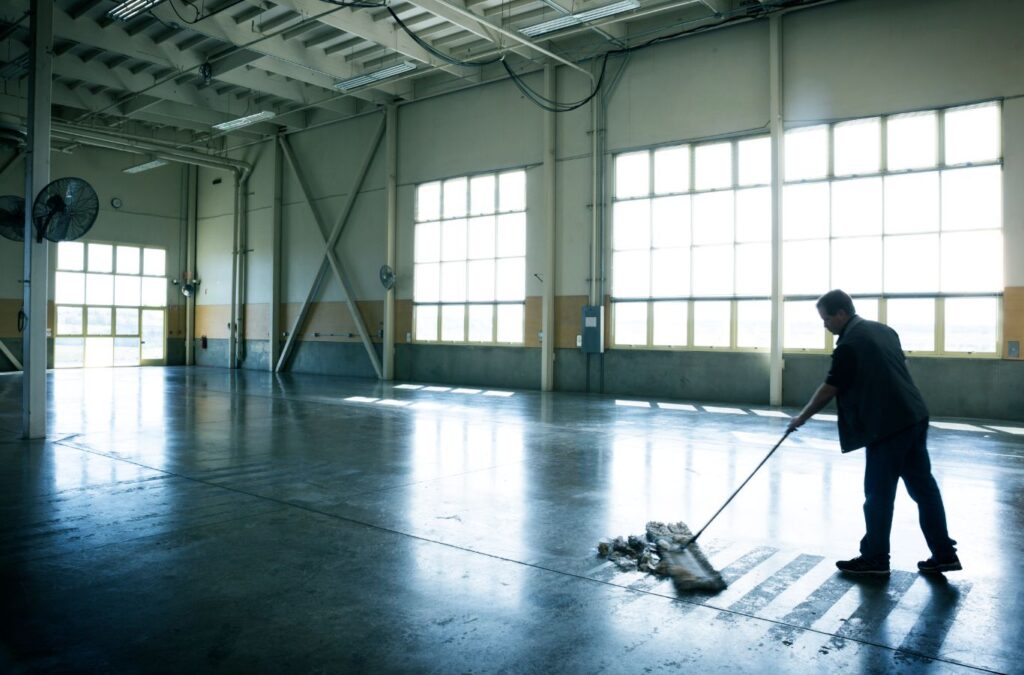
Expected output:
(687, 565)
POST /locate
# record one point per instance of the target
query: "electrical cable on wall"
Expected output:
(434, 50)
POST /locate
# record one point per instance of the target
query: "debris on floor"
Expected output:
(660, 552)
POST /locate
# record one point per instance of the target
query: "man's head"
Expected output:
(835, 309)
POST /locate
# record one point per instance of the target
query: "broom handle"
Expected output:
(733, 495)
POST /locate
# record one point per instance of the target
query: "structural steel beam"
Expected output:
(274, 346)
(547, 363)
(391, 224)
(776, 363)
(329, 256)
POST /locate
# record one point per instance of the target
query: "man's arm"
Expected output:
(824, 394)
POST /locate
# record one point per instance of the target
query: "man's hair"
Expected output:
(835, 300)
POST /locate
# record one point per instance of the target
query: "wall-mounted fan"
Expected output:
(12, 217)
(65, 209)
(387, 277)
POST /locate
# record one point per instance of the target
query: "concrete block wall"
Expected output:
(842, 60)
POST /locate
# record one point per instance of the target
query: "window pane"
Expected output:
(481, 323)
(100, 319)
(453, 281)
(670, 274)
(802, 326)
(126, 290)
(972, 325)
(914, 320)
(973, 134)
(453, 323)
(754, 214)
(632, 175)
(481, 281)
(481, 195)
(512, 235)
(99, 289)
(428, 242)
(713, 166)
(126, 321)
(481, 237)
(99, 352)
(512, 191)
(858, 147)
(856, 207)
(152, 343)
(68, 352)
(755, 161)
(912, 264)
(427, 282)
(972, 199)
(912, 203)
(711, 324)
(126, 351)
(670, 323)
(453, 239)
(631, 323)
(713, 217)
(510, 323)
(455, 197)
(154, 291)
(972, 262)
(154, 262)
(754, 323)
(71, 256)
(712, 270)
(672, 169)
(806, 153)
(867, 308)
(101, 258)
(511, 279)
(912, 140)
(670, 222)
(631, 274)
(805, 210)
(805, 267)
(754, 269)
(127, 259)
(632, 225)
(426, 322)
(857, 264)
(428, 202)
(70, 288)
(69, 321)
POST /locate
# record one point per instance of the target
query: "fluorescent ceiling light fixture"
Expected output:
(376, 76)
(246, 121)
(139, 168)
(129, 9)
(580, 17)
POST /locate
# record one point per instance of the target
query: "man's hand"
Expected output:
(821, 397)
(795, 423)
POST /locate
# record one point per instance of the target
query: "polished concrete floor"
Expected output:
(199, 519)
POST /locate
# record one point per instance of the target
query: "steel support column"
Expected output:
(192, 197)
(36, 263)
(274, 348)
(391, 216)
(776, 363)
(547, 364)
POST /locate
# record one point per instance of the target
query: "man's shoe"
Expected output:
(934, 565)
(860, 565)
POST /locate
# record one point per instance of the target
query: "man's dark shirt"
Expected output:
(876, 395)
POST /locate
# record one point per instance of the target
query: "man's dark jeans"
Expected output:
(902, 455)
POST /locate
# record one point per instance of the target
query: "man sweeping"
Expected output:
(882, 411)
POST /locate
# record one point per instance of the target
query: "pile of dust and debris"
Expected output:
(661, 553)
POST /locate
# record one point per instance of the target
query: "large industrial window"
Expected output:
(111, 303)
(904, 212)
(470, 259)
(691, 246)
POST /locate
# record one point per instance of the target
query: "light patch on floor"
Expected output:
(428, 405)
(724, 411)
(678, 406)
(394, 402)
(633, 404)
(463, 390)
(1017, 431)
(957, 426)
(825, 417)
(769, 413)
(361, 399)
(408, 386)
(437, 388)
(499, 393)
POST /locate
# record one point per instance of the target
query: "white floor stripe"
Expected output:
(724, 411)
(678, 406)
(769, 413)
(786, 601)
(1009, 430)
(633, 404)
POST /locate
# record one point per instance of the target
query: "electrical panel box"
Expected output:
(592, 330)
